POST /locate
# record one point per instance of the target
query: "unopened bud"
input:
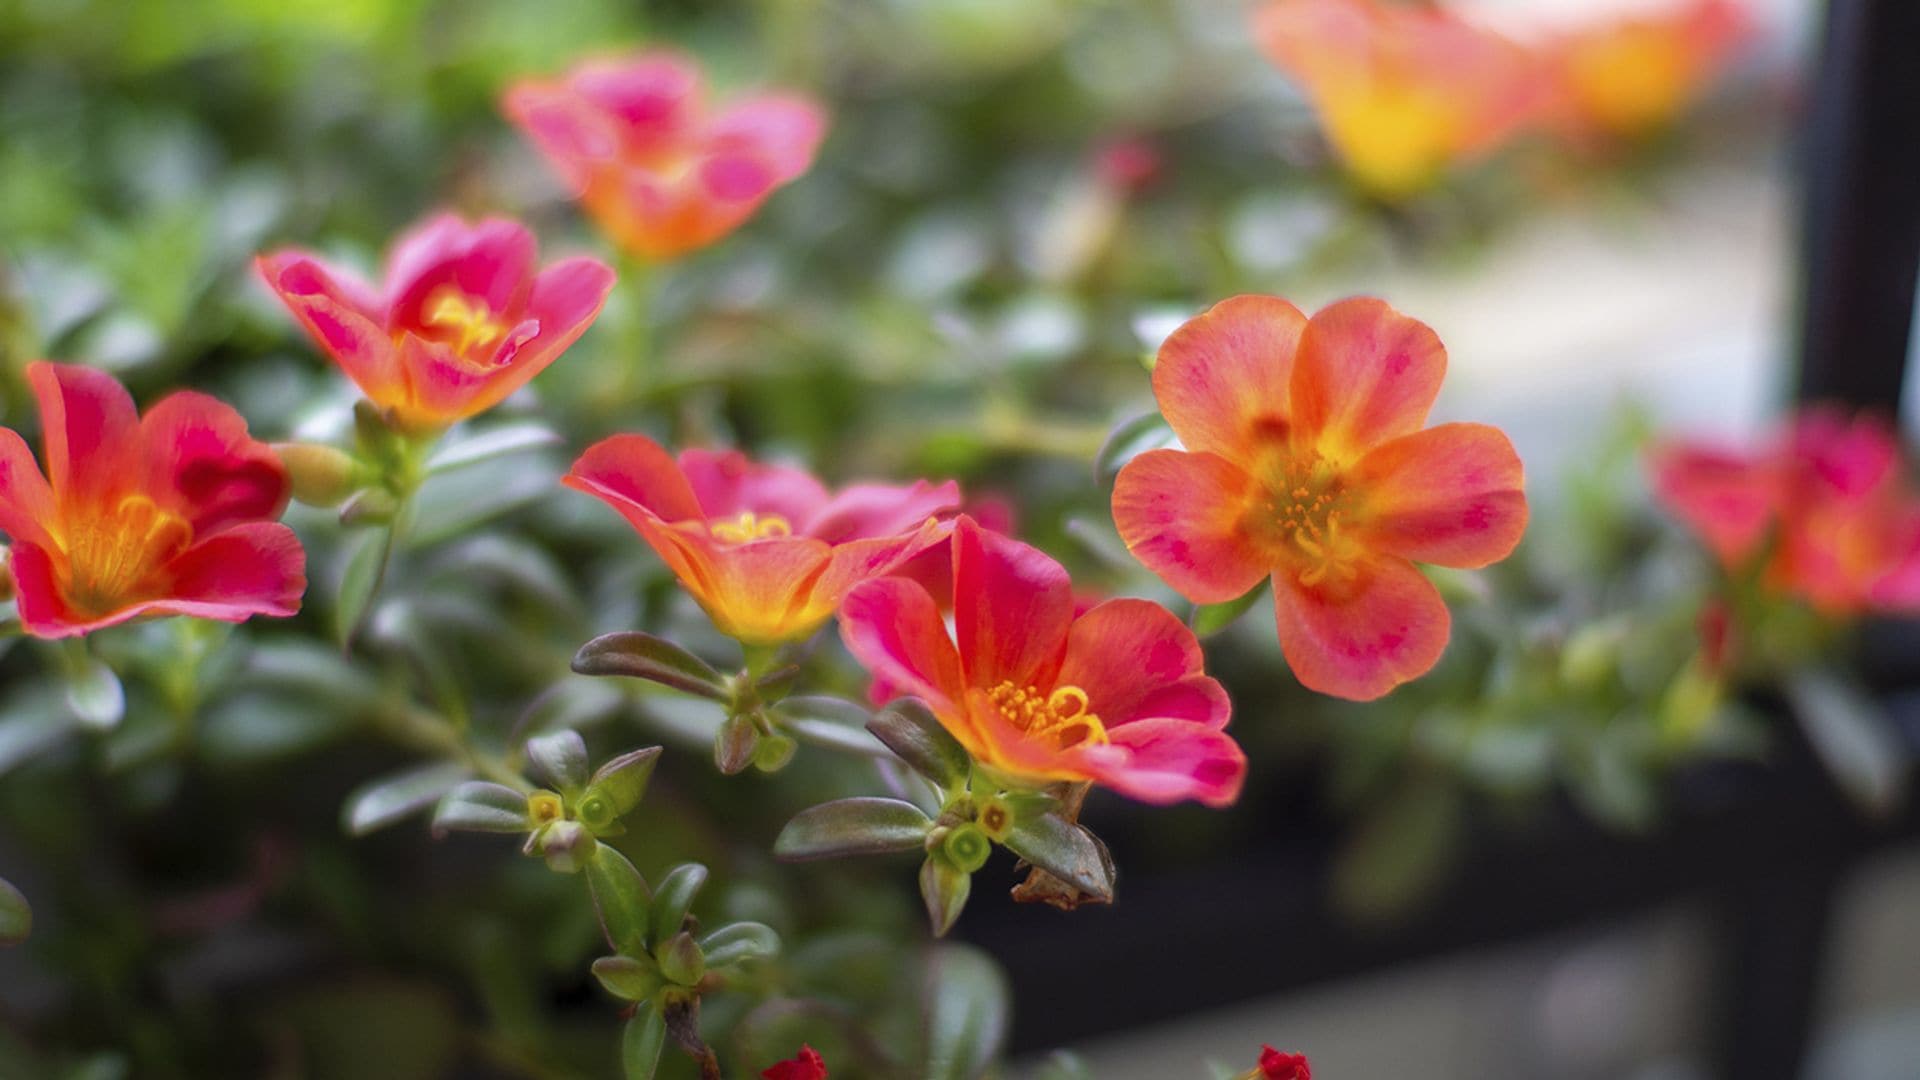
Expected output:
(735, 744)
(774, 752)
(968, 846)
(681, 960)
(567, 846)
(321, 475)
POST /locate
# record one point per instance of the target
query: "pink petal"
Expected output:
(854, 561)
(26, 502)
(866, 510)
(198, 450)
(1168, 761)
(1123, 652)
(1222, 378)
(1849, 457)
(635, 476)
(257, 568)
(491, 262)
(1183, 515)
(894, 629)
(729, 484)
(89, 427)
(653, 99)
(1012, 608)
(1364, 374)
(1729, 499)
(42, 609)
(782, 132)
(1451, 495)
(575, 137)
(1359, 638)
(334, 309)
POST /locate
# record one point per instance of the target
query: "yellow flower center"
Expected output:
(1633, 80)
(1394, 136)
(1306, 513)
(110, 553)
(1061, 718)
(749, 526)
(466, 320)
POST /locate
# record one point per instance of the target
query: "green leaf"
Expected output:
(623, 780)
(1401, 852)
(1128, 435)
(681, 960)
(864, 825)
(361, 582)
(639, 655)
(1852, 737)
(909, 729)
(1067, 851)
(830, 722)
(16, 918)
(629, 978)
(560, 758)
(95, 695)
(1210, 619)
(737, 943)
(510, 439)
(642, 1041)
(620, 898)
(674, 897)
(481, 806)
(944, 888)
(967, 1013)
(28, 728)
(735, 744)
(382, 802)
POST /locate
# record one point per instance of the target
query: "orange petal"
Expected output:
(634, 474)
(1222, 378)
(1181, 514)
(1364, 374)
(1451, 495)
(762, 592)
(1359, 634)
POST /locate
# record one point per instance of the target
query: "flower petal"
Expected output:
(26, 501)
(198, 450)
(491, 261)
(1123, 651)
(893, 627)
(1728, 498)
(728, 484)
(1360, 636)
(1222, 379)
(762, 592)
(782, 132)
(636, 477)
(855, 561)
(257, 568)
(1182, 515)
(872, 510)
(43, 611)
(1364, 374)
(1012, 607)
(1168, 761)
(1452, 495)
(89, 427)
(342, 317)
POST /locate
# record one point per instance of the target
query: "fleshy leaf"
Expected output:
(561, 758)
(830, 722)
(96, 697)
(944, 888)
(642, 656)
(511, 439)
(481, 806)
(739, 942)
(1853, 739)
(1210, 619)
(967, 1013)
(16, 918)
(621, 899)
(914, 734)
(674, 897)
(1127, 437)
(361, 582)
(864, 825)
(628, 978)
(623, 780)
(641, 1043)
(1065, 850)
(382, 802)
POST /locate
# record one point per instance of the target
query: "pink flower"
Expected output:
(462, 321)
(767, 550)
(1825, 510)
(660, 172)
(807, 1066)
(1117, 696)
(171, 514)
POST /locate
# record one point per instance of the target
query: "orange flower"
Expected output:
(1627, 78)
(463, 319)
(1403, 91)
(1826, 512)
(661, 173)
(765, 549)
(171, 514)
(1307, 459)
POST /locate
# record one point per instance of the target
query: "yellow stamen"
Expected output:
(1061, 717)
(109, 554)
(749, 526)
(467, 317)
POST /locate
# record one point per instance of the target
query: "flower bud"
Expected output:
(735, 744)
(681, 960)
(321, 475)
(996, 818)
(544, 808)
(597, 812)
(968, 846)
(567, 846)
(774, 752)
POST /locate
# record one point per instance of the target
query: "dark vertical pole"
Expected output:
(1861, 232)
(1772, 945)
